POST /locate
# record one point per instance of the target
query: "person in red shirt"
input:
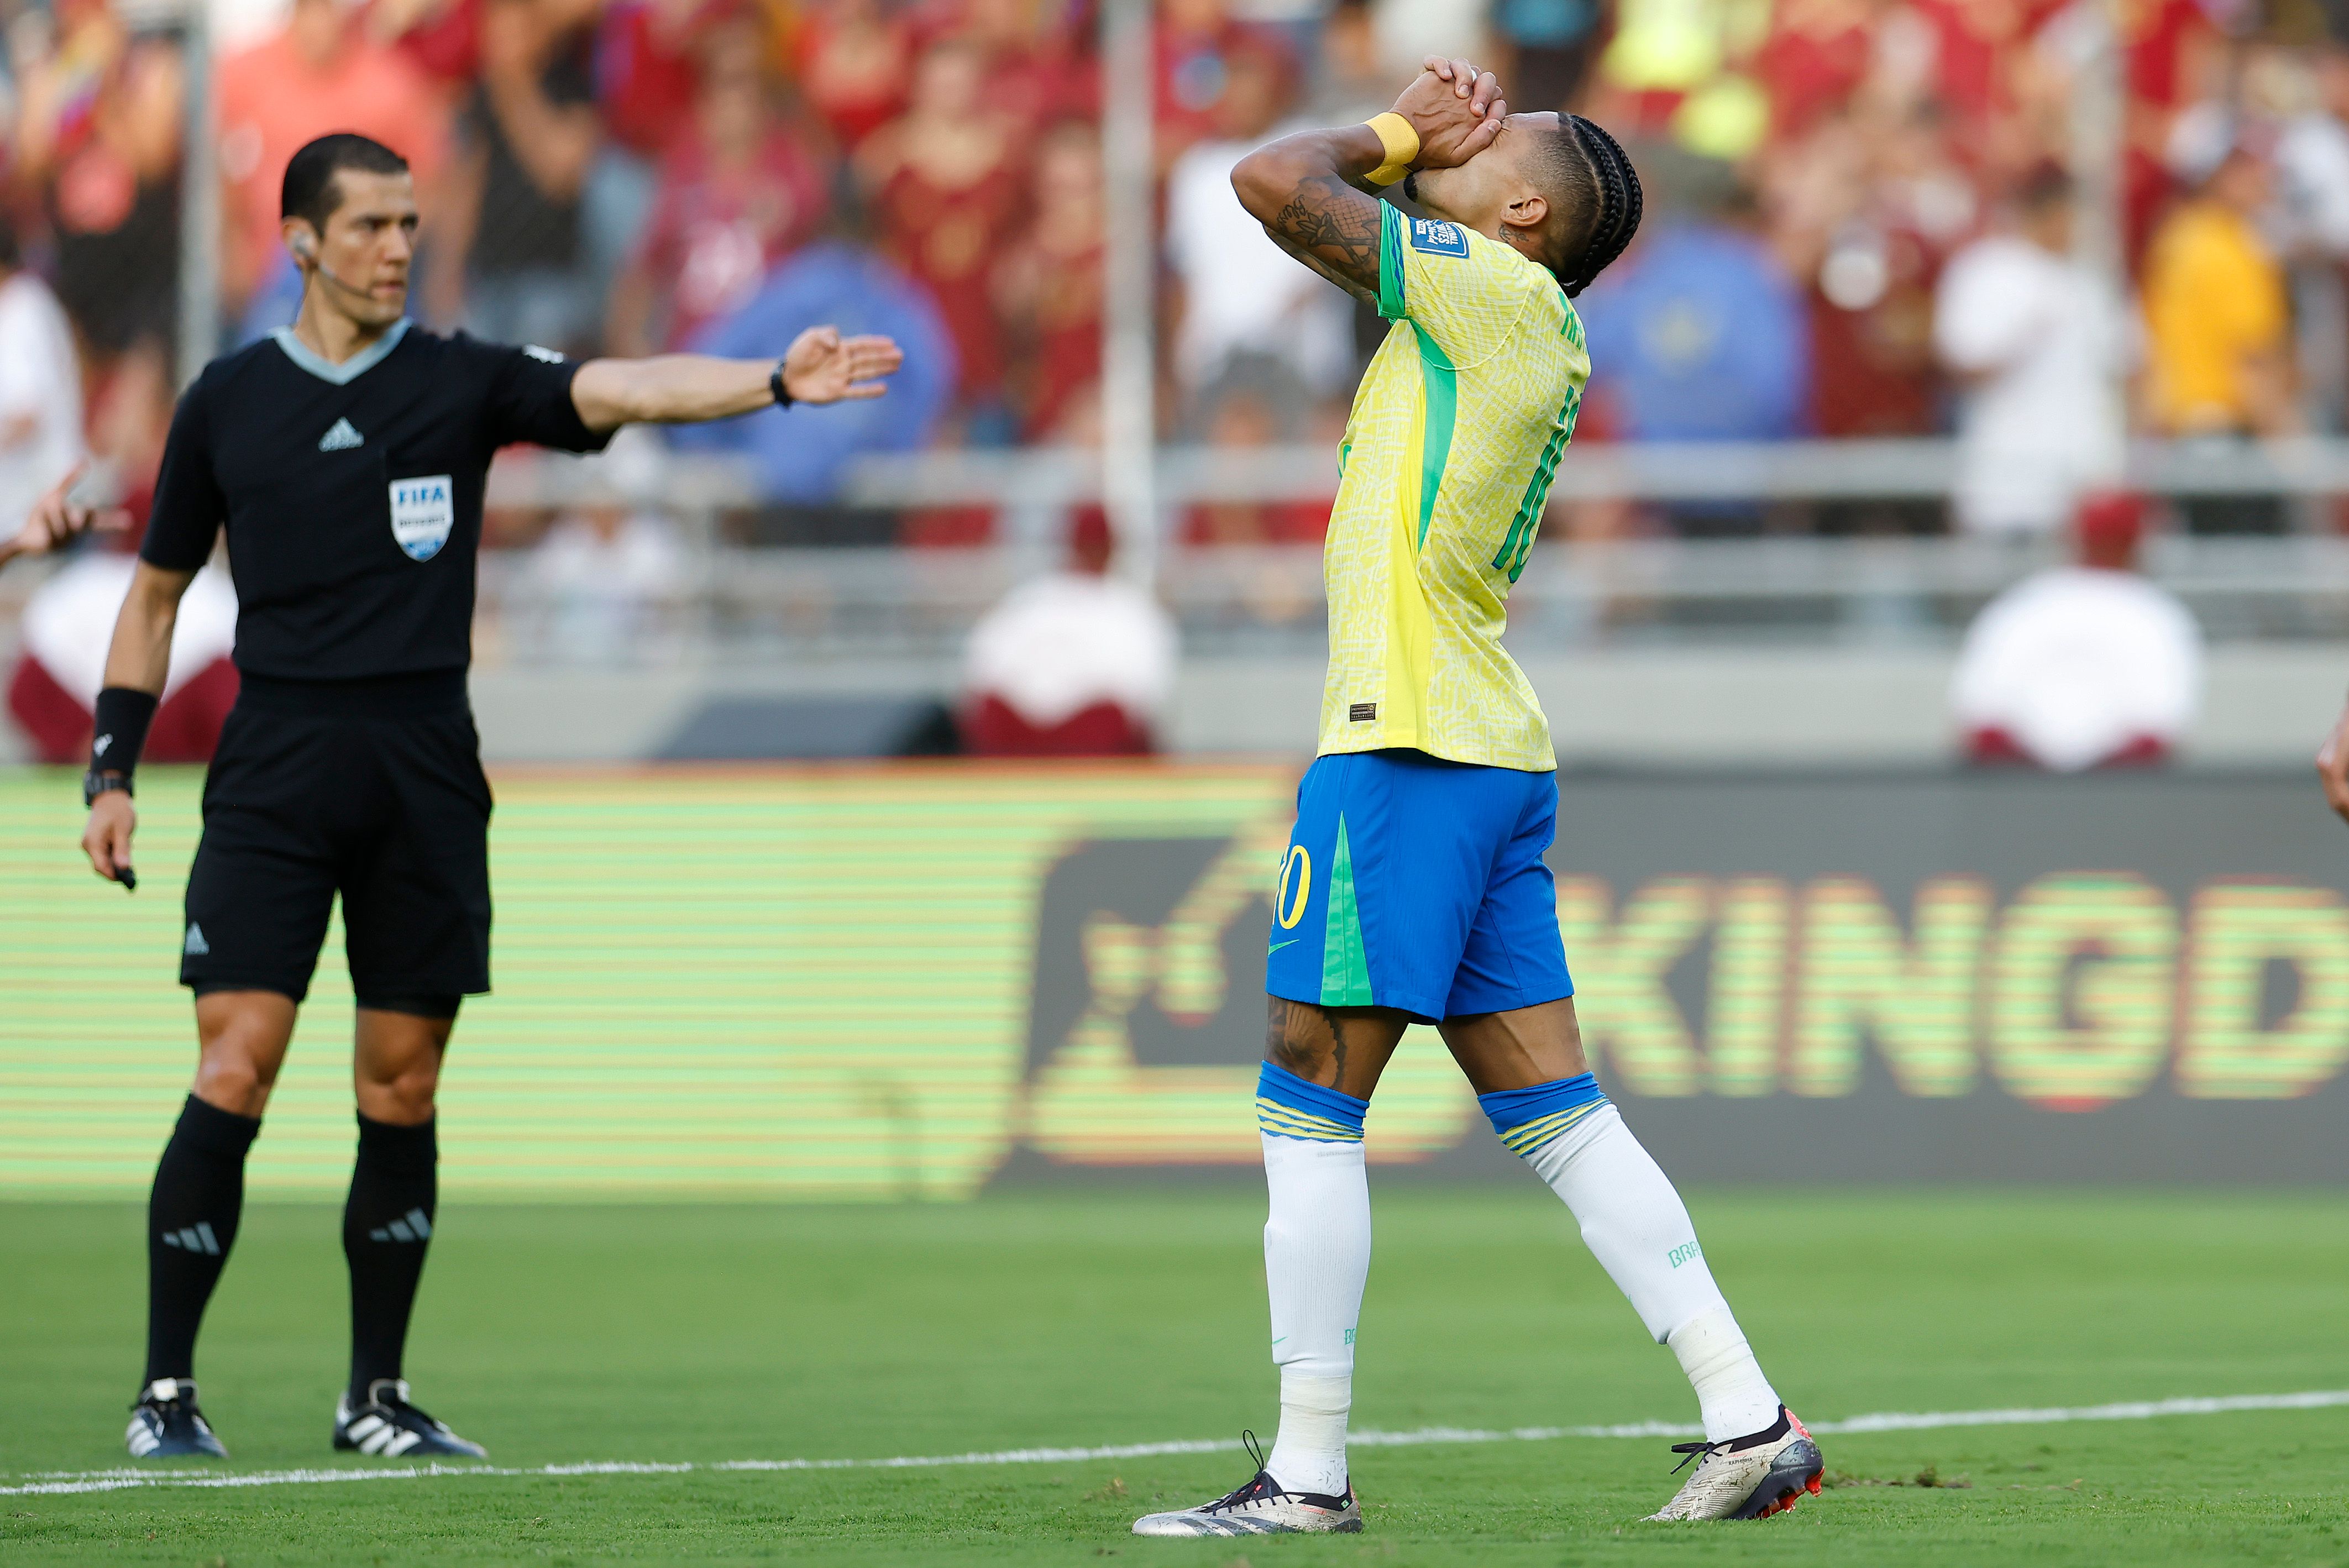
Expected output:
(737, 194)
(853, 59)
(945, 196)
(1049, 286)
(321, 74)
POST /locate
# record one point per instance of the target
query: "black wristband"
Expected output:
(783, 399)
(123, 716)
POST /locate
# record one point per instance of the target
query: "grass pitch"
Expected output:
(722, 1333)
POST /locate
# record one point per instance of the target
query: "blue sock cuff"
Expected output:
(1525, 1119)
(1289, 1107)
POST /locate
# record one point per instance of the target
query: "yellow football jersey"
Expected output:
(1455, 433)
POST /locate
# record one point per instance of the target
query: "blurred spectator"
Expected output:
(2081, 666)
(651, 58)
(1076, 663)
(1552, 45)
(2218, 317)
(602, 587)
(320, 74)
(1353, 84)
(1037, 67)
(97, 134)
(1872, 283)
(1240, 292)
(68, 627)
(801, 452)
(737, 195)
(40, 388)
(507, 260)
(1247, 413)
(947, 194)
(1197, 44)
(1049, 285)
(854, 58)
(2312, 175)
(2216, 322)
(2041, 345)
(1702, 333)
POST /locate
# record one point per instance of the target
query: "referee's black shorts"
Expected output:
(372, 789)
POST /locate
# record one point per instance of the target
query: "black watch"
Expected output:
(783, 399)
(95, 783)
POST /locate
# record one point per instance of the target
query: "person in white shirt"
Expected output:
(2081, 666)
(1241, 293)
(1075, 663)
(2040, 344)
(40, 390)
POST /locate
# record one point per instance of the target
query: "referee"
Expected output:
(345, 457)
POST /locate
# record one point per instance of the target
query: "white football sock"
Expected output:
(1316, 1255)
(1735, 1399)
(1637, 1227)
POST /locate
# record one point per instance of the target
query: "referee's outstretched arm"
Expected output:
(822, 367)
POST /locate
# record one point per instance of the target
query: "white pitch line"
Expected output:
(51, 1484)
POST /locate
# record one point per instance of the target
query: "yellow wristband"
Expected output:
(1402, 144)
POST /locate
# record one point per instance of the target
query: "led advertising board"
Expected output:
(910, 981)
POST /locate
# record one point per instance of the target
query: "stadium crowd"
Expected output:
(1865, 224)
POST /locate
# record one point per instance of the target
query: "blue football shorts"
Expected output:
(1413, 883)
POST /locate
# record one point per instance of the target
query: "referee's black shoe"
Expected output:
(166, 1425)
(386, 1425)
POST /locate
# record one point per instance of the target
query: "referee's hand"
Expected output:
(106, 840)
(825, 368)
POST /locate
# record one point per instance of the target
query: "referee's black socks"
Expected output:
(191, 1222)
(386, 1225)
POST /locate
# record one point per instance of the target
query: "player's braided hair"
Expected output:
(1620, 204)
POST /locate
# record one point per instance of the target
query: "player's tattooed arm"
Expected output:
(1303, 189)
(1312, 191)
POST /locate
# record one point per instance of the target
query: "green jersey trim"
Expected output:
(1442, 384)
(1391, 242)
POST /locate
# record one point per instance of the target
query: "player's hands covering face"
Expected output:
(1456, 109)
(825, 368)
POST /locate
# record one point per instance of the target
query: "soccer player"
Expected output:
(1412, 887)
(345, 457)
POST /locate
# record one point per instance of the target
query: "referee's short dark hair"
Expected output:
(309, 190)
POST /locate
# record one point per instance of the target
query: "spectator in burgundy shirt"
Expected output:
(737, 194)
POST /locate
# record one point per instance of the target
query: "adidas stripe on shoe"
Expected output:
(388, 1426)
(166, 1425)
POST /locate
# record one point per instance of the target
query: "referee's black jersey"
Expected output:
(352, 493)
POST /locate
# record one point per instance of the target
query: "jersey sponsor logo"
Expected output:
(423, 510)
(341, 438)
(547, 354)
(1438, 238)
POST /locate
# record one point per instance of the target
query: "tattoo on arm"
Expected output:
(1334, 228)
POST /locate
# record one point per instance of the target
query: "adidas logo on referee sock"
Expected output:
(342, 437)
(198, 1238)
(411, 1226)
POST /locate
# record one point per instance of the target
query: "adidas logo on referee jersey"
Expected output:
(411, 1226)
(342, 437)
